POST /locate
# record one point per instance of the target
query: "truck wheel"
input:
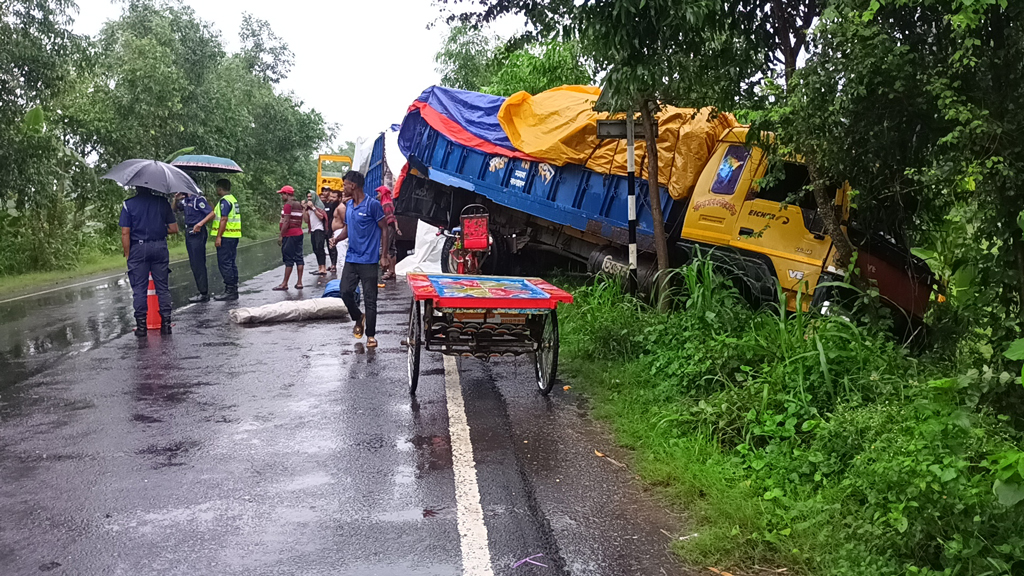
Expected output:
(448, 263)
(497, 262)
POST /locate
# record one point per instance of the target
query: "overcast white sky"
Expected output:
(360, 63)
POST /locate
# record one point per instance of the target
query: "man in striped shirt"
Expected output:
(293, 213)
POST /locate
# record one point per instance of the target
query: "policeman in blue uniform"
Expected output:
(198, 214)
(146, 220)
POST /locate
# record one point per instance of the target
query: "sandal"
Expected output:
(357, 330)
(281, 287)
(298, 286)
(371, 342)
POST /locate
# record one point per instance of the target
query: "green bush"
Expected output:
(802, 440)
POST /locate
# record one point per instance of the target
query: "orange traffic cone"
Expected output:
(152, 307)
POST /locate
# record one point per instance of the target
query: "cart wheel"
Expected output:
(414, 341)
(546, 357)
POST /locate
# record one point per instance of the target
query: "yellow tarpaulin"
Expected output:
(559, 126)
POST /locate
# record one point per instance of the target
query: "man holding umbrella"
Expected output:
(197, 214)
(146, 220)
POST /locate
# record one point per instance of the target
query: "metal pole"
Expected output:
(631, 280)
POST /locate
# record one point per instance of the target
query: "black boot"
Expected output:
(165, 324)
(140, 326)
(230, 293)
(199, 298)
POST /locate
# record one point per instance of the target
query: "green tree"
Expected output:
(266, 55)
(472, 60)
(539, 67)
(466, 59)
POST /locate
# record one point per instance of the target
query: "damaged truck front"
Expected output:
(550, 184)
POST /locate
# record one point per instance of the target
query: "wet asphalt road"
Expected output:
(289, 449)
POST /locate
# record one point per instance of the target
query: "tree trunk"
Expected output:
(650, 129)
(824, 197)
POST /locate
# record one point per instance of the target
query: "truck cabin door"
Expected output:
(791, 235)
(715, 204)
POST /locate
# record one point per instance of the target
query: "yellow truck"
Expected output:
(574, 202)
(330, 168)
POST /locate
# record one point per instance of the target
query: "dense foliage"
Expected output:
(914, 102)
(802, 442)
(155, 81)
(469, 59)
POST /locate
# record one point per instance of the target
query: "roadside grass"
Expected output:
(802, 442)
(96, 262)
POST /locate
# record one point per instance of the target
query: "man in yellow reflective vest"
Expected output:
(227, 228)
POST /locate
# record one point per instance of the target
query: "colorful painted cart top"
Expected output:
(455, 291)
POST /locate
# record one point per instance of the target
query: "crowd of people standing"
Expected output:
(363, 225)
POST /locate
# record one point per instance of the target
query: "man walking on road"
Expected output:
(364, 224)
(146, 220)
(292, 215)
(227, 229)
(197, 214)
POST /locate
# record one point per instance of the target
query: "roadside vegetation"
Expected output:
(807, 442)
(155, 81)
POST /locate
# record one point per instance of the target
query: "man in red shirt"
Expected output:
(292, 215)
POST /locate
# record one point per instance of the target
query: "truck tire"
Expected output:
(495, 264)
(448, 264)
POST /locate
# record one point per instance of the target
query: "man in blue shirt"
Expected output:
(198, 214)
(364, 225)
(146, 220)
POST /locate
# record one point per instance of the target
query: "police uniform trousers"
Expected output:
(226, 255)
(195, 244)
(145, 258)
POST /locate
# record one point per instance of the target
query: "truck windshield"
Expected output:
(333, 168)
(795, 178)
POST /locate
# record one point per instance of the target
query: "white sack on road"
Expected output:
(290, 311)
(426, 257)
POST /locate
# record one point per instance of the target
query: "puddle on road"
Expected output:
(171, 454)
(308, 481)
(38, 330)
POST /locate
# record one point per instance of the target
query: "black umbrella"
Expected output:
(155, 175)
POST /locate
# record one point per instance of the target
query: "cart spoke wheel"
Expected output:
(546, 357)
(414, 341)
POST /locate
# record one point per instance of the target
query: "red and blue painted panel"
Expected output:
(455, 291)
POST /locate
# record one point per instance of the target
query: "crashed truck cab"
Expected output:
(772, 241)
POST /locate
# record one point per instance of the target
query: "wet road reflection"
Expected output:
(37, 330)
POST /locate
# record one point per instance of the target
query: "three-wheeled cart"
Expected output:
(485, 317)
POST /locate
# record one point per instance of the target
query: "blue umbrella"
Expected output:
(155, 175)
(204, 163)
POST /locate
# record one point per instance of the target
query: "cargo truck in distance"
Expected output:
(750, 232)
(330, 169)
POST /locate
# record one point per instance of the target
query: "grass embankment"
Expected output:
(802, 442)
(97, 263)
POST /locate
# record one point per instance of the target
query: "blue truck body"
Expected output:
(569, 195)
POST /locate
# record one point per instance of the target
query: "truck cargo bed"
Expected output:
(568, 195)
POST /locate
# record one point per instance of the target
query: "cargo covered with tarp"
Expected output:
(464, 117)
(559, 126)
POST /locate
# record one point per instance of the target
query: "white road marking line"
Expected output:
(476, 556)
(63, 287)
